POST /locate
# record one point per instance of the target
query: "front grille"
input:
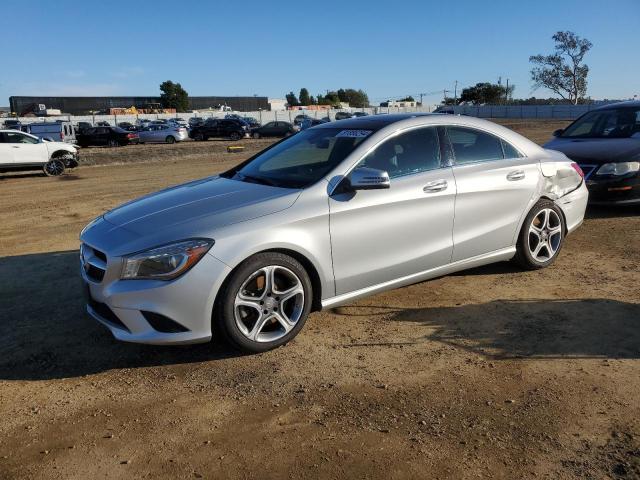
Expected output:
(106, 313)
(94, 273)
(94, 263)
(101, 255)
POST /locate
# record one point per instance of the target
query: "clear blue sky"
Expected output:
(247, 47)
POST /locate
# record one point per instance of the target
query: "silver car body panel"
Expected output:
(357, 244)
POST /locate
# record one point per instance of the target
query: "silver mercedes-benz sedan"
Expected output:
(334, 213)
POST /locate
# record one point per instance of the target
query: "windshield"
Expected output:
(302, 159)
(610, 123)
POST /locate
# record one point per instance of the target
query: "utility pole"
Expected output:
(455, 93)
(507, 92)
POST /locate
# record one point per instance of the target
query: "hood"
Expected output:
(597, 150)
(199, 207)
(53, 146)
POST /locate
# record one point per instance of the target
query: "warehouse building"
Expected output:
(85, 105)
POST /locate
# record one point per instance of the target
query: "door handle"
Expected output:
(515, 175)
(435, 186)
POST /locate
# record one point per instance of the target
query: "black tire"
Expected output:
(256, 135)
(225, 311)
(54, 167)
(199, 137)
(235, 136)
(113, 143)
(527, 240)
(170, 139)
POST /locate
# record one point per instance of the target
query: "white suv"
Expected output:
(22, 151)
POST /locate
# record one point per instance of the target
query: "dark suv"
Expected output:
(216, 127)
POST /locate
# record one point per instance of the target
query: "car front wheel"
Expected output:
(54, 167)
(234, 136)
(541, 237)
(265, 302)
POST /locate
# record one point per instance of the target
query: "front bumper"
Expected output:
(123, 305)
(614, 190)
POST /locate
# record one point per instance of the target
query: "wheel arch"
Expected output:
(60, 153)
(310, 268)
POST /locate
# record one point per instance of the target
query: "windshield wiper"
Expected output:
(260, 180)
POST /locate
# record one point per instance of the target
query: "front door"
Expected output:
(25, 149)
(382, 235)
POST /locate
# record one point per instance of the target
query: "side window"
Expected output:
(509, 150)
(417, 150)
(471, 145)
(15, 137)
(270, 125)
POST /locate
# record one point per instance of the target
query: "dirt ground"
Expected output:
(490, 373)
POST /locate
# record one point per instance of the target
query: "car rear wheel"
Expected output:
(265, 302)
(234, 136)
(54, 167)
(256, 134)
(170, 139)
(541, 237)
(113, 143)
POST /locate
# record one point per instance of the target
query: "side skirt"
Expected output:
(477, 261)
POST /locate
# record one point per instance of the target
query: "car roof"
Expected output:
(374, 121)
(627, 104)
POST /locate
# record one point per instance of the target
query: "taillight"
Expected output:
(577, 168)
(61, 136)
(131, 135)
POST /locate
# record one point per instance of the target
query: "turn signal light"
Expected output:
(577, 168)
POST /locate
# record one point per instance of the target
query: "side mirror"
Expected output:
(558, 132)
(364, 178)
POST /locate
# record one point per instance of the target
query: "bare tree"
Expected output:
(563, 71)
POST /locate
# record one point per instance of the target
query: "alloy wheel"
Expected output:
(55, 167)
(545, 235)
(269, 303)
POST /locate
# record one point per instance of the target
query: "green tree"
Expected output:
(174, 96)
(292, 100)
(563, 72)
(304, 97)
(408, 98)
(486, 92)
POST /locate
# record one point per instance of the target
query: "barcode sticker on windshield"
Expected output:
(354, 133)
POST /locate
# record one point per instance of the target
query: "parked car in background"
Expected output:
(107, 136)
(311, 122)
(230, 128)
(20, 151)
(53, 131)
(12, 124)
(103, 123)
(333, 214)
(195, 121)
(83, 126)
(343, 115)
(274, 129)
(170, 133)
(142, 122)
(360, 114)
(252, 122)
(233, 116)
(605, 142)
(298, 119)
(128, 126)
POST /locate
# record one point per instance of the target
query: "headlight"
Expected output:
(621, 168)
(165, 262)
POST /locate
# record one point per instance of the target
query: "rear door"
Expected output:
(495, 184)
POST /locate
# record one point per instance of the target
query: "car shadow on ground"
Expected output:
(540, 329)
(45, 332)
